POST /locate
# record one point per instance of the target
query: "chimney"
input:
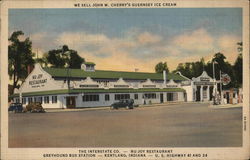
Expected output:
(164, 77)
(88, 66)
(30, 68)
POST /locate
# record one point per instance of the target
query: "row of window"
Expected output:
(122, 96)
(172, 96)
(44, 99)
(95, 97)
(90, 98)
(149, 95)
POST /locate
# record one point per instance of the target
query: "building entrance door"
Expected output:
(161, 97)
(228, 97)
(211, 93)
(198, 94)
(71, 102)
(185, 96)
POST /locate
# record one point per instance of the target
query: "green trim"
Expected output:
(76, 91)
(101, 74)
(52, 92)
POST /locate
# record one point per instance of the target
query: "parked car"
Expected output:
(125, 103)
(35, 107)
(16, 107)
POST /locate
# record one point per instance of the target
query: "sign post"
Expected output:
(224, 80)
(221, 92)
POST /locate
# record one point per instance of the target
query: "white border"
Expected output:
(36, 153)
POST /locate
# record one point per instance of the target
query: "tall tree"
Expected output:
(75, 60)
(160, 67)
(238, 66)
(19, 57)
(60, 58)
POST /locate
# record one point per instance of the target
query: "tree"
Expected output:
(75, 60)
(42, 61)
(238, 66)
(185, 69)
(59, 58)
(240, 47)
(197, 68)
(19, 57)
(238, 70)
(191, 69)
(160, 67)
(224, 67)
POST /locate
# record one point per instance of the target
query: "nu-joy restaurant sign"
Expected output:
(37, 81)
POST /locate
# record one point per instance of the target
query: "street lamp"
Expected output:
(67, 67)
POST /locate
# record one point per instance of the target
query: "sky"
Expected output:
(126, 39)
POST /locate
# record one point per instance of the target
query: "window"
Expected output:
(23, 100)
(106, 97)
(136, 96)
(103, 82)
(150, 95)
(46, 99)
(88, 98)
(54, 99)
(17, 100)
(30, 100)
(39, 99)
(122, 96)
(170, 96)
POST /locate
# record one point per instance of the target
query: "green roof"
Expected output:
(101, 74)
(89, 63)
(76, 91)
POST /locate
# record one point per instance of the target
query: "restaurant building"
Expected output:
(87, 87)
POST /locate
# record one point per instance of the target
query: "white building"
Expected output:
(201, 88)
(87, 87)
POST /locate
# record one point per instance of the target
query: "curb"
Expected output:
(107, 107)
(75, 110)
(226, 106)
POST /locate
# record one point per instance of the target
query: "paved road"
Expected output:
(185, 125)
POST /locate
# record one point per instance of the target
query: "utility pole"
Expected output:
(221, 93)
(215, 84)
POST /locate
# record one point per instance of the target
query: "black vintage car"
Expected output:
(16, 107)
(125, 103)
